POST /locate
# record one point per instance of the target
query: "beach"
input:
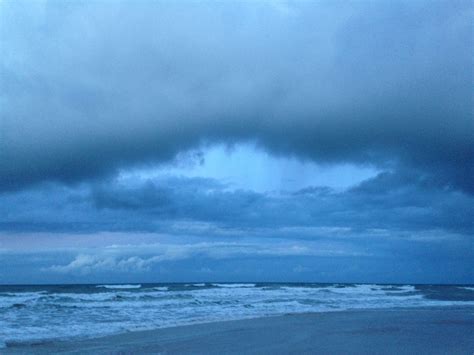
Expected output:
(388, 331)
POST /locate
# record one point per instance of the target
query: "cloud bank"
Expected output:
(96, 95)
(90, 87)
(388, 201)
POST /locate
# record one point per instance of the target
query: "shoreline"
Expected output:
(433, 330)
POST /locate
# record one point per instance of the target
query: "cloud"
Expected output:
(88, 88)
(92, 92)
(399, 204)
(372, 256)
(87, 264)
(140, 258)
(389, 200)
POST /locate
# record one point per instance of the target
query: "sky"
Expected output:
(290, 141)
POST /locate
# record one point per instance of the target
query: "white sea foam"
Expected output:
(404, 288)
(161, 288)
(467, 288)
(93, 312)
(234, 285)
(119, 286)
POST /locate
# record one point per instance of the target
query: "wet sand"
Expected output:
(400, 331)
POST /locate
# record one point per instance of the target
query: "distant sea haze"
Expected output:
(35, 314)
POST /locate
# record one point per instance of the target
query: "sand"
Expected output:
(400, 331)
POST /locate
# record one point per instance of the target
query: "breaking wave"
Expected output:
(93, 310)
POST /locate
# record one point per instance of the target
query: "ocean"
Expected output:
(37, 314)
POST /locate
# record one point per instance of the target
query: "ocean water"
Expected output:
(34, 314)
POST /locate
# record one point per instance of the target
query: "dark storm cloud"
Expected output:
(389, 205)
(391, 228)
(388, 201)
(87, 88)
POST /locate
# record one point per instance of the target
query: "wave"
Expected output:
(371, 289)
(94, 310)
(234, 285)
(22, 294)
(27, 342)
(18, 305)
(161, 288)
(119, 287)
